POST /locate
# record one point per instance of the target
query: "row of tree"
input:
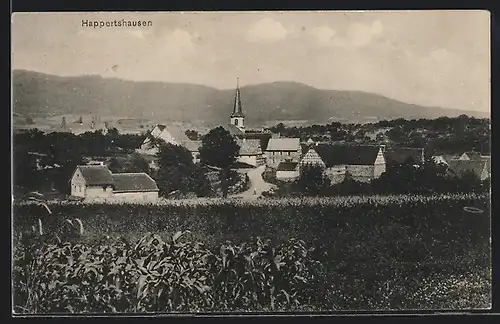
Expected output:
(404, 178)
(443, 135)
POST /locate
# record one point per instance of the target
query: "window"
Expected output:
(236, 122)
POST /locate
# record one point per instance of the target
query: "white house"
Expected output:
(96, 182)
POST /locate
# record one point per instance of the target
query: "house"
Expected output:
(443, 159)
(478, 167)
(194, 148)
(96, 182)
(470, 156)
(250, 152)
(287, 171)
(134, 187)
(401, 155)
(361, 163)
(282, 149)
(172, 134)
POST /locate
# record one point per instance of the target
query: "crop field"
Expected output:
(301, 254)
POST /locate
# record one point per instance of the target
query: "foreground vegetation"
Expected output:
(348, 253)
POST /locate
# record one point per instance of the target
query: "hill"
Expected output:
(40, 95)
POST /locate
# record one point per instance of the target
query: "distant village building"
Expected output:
(288, 171)
(96, 182)
(443, 159)
(282, 149)
(194, 148)
(481, 169)
(360, 163)
(172, 135)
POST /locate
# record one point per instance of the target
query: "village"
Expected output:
(262, 154)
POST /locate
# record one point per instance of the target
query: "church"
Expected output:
(252, 143)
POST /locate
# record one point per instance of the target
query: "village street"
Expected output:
(257, 184)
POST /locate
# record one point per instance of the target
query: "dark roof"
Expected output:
(347, 155)
(305, 147)
(404, 154)
(96, 175)
(287, 166)
(133, 182)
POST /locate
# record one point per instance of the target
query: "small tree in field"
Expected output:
(219, 149)
(312, 180)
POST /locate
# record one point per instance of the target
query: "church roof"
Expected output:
(237, 108)
(233, 130)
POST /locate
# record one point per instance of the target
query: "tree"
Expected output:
(177, 171)
(219, 149)
(139, 164)
(192, 134)
(114, 165)
(312, 180)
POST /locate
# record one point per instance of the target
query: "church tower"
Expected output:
(237, 117)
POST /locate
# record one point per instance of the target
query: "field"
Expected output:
(349, 253)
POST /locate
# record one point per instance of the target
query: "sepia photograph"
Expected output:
(250, 162)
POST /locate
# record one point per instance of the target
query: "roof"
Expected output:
(249, 147)
(96, 175)
(192, 146)
(283, 144)
(167, 134)
(475, 156)
(263, 137)
(305, 148)
(232, 129)
(133, 182)
(287, 166)
(347, 155)
(403, 154)
(460, 166)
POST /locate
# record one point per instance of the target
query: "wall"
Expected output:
(361, 173)
(273, 158)
(287, 175)
(336, 173)
(150, 196)
(97, 192)
(379, 165)
(249, 159)
(78, 184)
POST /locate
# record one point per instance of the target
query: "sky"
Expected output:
(432, 58)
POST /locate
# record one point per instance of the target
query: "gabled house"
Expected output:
(478, 167)
(470, 156)
(443, 159)
(194, 148)
(361, 163)
(96, 182)
(281, 150)
(172, 134)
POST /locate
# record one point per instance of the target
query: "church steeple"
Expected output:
(237, 117)
(237, 109)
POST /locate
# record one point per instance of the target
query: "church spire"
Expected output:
(237, 109)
